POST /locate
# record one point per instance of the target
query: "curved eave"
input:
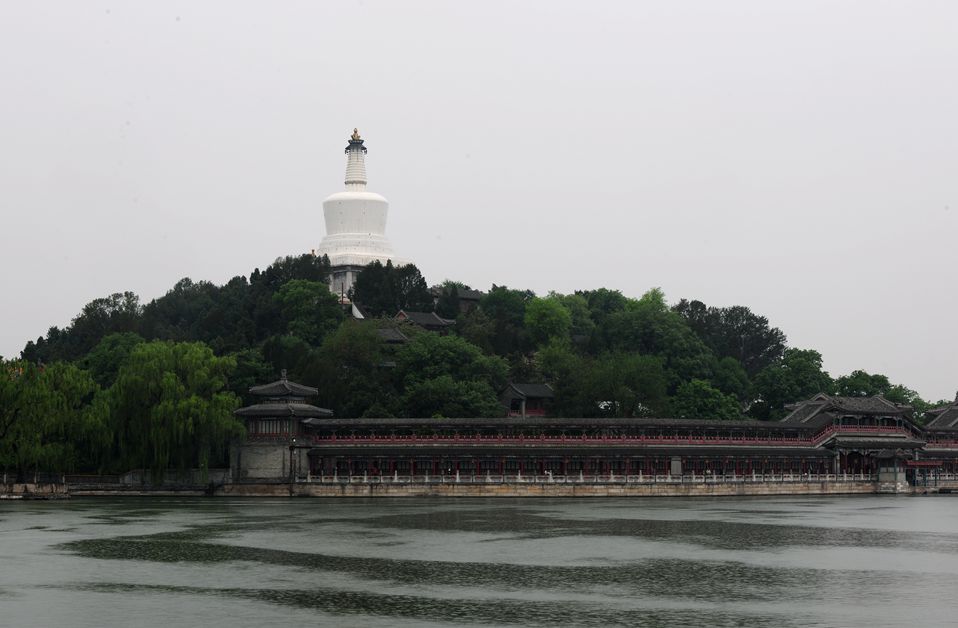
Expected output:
(283, 388)
(875, 443)
(279, 410)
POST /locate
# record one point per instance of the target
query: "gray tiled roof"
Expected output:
(425, 319)
(530, 390)
(810, 412)
(804, 411)
(270, 410)
(392, 336)
(943, 417)
(868, 405)
(283, 388)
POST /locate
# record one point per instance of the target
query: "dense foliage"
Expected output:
(154, 386)
(384, 290)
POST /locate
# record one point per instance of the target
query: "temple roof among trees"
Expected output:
(278, 410)
(805, 412)
(283, 388)
(426, 320)
(391, 336)
(822, 408)
(943, 417)
(869, 405)
(528, 391)
(283, 398)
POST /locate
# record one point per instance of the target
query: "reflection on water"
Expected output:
(868, 561)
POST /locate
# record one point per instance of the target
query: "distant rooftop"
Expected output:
(530, 391)
(425, 319)
(283, 388)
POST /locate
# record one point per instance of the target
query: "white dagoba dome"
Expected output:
(355, 223)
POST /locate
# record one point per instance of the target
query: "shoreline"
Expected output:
(358, 489)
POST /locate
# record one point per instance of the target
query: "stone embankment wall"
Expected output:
(32, 491)
(113, 491)
(469, 489)
(946, 486)
(451, 489)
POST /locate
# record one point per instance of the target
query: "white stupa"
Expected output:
(355, 224)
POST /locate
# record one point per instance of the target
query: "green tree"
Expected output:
(477, 328)
(624, 385)
(446, 397)
(546, 319)
(603, 303)
(507, 310)
(557, 361)
(730, 377)
(862, 384)
(350, 371)
(181, 313)
(116, 313)
(43, 415)
(228, 325)
(798, 376)
(384, 290)
(228, 318)
(412, 290)
(309, 309)
(582, 324)
(105, 359)
(447, 301)
(252, 369)
(649, 327)
(565, 371)
(291, 353)
(285, 269)
(904, 395)
(428, 356)
(735, 332)
(698, 400)
(170, 407)
(262, 311)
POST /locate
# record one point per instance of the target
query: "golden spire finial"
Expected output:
(355, 135)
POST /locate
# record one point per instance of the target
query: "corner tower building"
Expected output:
(355, 224)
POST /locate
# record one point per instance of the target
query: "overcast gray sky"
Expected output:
(795, 157)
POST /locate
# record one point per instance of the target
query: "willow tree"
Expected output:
(171, 409)
(44, 416)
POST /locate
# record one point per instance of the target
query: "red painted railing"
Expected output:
(584, 440)
(552, 440)
(881, 430)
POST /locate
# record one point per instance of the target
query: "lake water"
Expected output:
(837, 561)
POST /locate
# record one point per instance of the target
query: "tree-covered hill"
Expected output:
(130, 385)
